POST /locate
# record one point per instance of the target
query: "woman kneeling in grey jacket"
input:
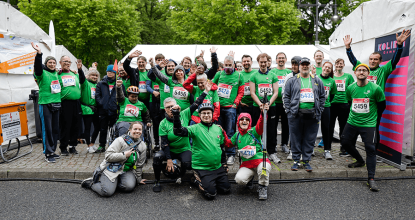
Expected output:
(122, 166)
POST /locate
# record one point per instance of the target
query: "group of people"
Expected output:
(204, 117)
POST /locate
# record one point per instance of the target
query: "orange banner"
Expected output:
(24, 60)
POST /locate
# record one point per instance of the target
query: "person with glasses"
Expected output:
(127, 79)
(367, 102)
(71, 111)
(173, 146)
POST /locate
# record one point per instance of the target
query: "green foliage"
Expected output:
(93, 30)
(233, 21)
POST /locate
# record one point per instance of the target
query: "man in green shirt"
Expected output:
(246, 105)
(208, 156)
(318, 58)
(124, 76)
(367, 101)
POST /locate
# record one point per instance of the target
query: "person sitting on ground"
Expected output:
(122, 166)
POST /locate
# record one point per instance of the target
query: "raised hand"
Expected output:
(404, 35)
(136, 53)
(151, 62)
(202, 53)
(232, 54)
(79, 64)
(119, 83)
(213, 50)
(164, 63)
(347, 41)
(208, 85)
(37, 48)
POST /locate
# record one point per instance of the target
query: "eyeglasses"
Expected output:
(244, 119)
(169, 107)
(362, 70)
(66, 62)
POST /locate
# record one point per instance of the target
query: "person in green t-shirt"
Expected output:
(246, 101)
(208, 156)
(330, 89)
(123, 75)
(261, 82)
(49, 102)
(318, 58)
(367, 101)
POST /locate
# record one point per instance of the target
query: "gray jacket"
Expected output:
(291, 97)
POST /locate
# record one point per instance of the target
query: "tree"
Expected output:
(93, 30)
(233, 21)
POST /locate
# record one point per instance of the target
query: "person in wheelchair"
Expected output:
(172, 146)
(131, 109)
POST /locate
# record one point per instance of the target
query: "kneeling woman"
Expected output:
(245, 139)
(122, 166)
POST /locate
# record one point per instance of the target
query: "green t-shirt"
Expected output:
(330, 88)
(379, 75)
(263, 83)
(155, 86)
(319, 70)
(88, 97)
(144, 94)
(164, 90)
(363, 111)
(130, 112)
(281, 74)
(247, 99)
(206, 151)
(228, 86)
(342, 83)
(179, 93)
(71, 90)
(245, 140)
(126, 83)
(177, 144)
(211, 97)
(307, 94)
(49, 88)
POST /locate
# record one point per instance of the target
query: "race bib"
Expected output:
(110, 87)
(248, 151)
(327, 91)
(360, 105)
(166, 88)
(55, 87)
(281, 80)
(157, 87)
(92, 93)
(247, 90)
(341, 85)
(224, 90)
(68, 81)
(180, 93)
(142, 87)
(265, 88)
(131, 111)
(306, 95)
(372, 79)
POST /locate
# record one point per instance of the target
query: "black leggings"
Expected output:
(184, 157)
(339, 111)
(285, 132)
(325, 131)
(88, 120)
(271, 126)
(212, 181)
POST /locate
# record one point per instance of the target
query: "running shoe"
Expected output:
(156, 187)
(285, 149)
(64, 152)
(92, 149)
(50, 159)
(344, 154)
(290, 156)
(356, 164)
(56, 156)
(231, 160)
(307, 166)
(262, 192)
(87, 183)
(72, 150)
(295, 166)
(327, 155)
(274, 158)
(321, 144)
(372, 185)
(100, 149)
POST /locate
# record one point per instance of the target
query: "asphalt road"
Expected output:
(318, 200)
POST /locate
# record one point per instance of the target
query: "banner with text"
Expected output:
(16, 55)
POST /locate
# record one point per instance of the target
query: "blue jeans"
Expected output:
(227, 120)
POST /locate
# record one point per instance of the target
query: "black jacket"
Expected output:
(106, 101)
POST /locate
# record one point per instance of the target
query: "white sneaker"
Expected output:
(313, 154)
(179, 180)
(231, 160)
(327, 155)
(92, 149)
(274, 158)
(290, 156)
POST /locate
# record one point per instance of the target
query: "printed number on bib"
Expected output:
(224, 90)
(247, 90)
(55, 87)
(131, 111)
(360, 105)
(248, 151)
(92, 93)
(327, 91)
(281, 80)
(341, 85)
(265, 88)
(307, 95)
(180, 93)
(142, 87)
(166, 88)
(372, 79)
(68, 81)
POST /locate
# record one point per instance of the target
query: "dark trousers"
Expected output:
(50, 128)
(339, 111)
(303, 133)
(156, 116)
(249, 109)
(285, 132)
(271, 126)
(325, 128)
(105, 122)
(69, 123)
(211, 181)
(88, 121)
(184, 157)
(369, 139)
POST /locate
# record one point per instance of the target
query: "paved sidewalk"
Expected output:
(82, 165)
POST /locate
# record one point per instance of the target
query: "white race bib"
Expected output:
(93, 93)
(180, 93)
(306, 95)
(247, 90)
(110, 87)
(55, 87)
(224, 90)
(248, 151)
(281, 80)
(68, 81)
(265, 88)
(361, 105)
(166, 88)
(131, 111)
(372, 79)
(157, 88)
(142, 87)
(341, 85)
(327, 91)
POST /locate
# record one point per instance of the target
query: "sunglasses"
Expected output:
(244, 119)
